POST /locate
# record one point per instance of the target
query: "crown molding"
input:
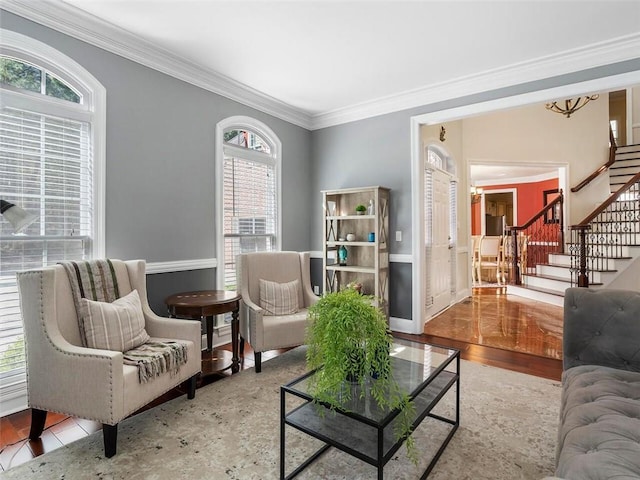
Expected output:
(496, 182)
(569, 61)
(90, 29)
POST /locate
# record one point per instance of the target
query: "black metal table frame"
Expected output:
(382, 459)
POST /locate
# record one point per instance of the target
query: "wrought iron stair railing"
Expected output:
(606, 234)
(532, 243)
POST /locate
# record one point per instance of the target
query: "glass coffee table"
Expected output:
(363, 430)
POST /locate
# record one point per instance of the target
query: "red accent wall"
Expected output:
(530, 200)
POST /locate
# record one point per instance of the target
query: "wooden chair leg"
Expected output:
(38, 419)
(241, 347)
(110, 436)
(258, 361)
(191, 387)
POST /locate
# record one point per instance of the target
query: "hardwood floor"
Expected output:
(490, 327)
(502, 330)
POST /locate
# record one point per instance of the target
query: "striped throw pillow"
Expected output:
(279, 298)
(115, 326)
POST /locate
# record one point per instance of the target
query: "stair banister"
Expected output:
(612, 198)
(612, 159)
(579, 231)
(556, 203)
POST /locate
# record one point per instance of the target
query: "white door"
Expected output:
(438, 242)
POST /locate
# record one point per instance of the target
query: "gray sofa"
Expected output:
(599, 432)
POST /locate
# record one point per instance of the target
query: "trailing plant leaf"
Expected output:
(349, 344)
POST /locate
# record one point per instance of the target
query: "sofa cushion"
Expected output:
(279, 298)
(286, 330)
(599, 435)
(115, 326)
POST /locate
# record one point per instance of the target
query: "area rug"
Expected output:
(231, 430)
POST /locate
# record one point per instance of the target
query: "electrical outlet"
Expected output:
(398, 235)
(316, 289)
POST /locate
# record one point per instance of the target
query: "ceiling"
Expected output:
(325, 56)
(482, 175)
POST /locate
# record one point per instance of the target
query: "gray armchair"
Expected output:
(263, 331)
(65, 377)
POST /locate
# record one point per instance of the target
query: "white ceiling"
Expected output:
(481, 175)
(326, 55)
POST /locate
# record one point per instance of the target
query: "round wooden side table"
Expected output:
(206, 304)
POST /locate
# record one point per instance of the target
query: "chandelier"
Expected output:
(571, 105)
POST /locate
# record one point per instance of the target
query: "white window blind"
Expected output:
(453, 234)
(428, 232)
(45, 168)
(250, 210)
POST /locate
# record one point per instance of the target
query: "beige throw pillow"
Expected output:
(115, 326)
(279, 298)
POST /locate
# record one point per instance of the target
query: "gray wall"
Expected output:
(160, 162)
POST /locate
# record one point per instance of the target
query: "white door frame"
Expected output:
(416, 324)
(483, 209)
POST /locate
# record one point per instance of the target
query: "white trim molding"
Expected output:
(400, 258)
(402, 325)
(393, 257)
(90, 29)
(511, 180)
(181, 265)
(582, 58)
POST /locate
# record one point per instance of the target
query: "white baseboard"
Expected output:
(462, 294)
(401, 325)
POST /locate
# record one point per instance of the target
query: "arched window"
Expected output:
(248, 192)
(51, 164)
(439, 158)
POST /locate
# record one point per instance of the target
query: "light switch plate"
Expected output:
(398, 235)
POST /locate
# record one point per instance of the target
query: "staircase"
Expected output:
(626, 166)
(612, 243)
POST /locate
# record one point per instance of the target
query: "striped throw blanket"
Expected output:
(96, 280)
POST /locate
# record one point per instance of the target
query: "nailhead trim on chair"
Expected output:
(102, 357)
(46, 334)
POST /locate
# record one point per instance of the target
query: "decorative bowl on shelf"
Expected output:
(351, 237)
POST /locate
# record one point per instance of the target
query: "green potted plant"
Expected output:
(360, 209)
(349, 344)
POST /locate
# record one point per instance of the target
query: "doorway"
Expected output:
(439, 241)
(493, 211)
(440, 120)
(498, 212)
